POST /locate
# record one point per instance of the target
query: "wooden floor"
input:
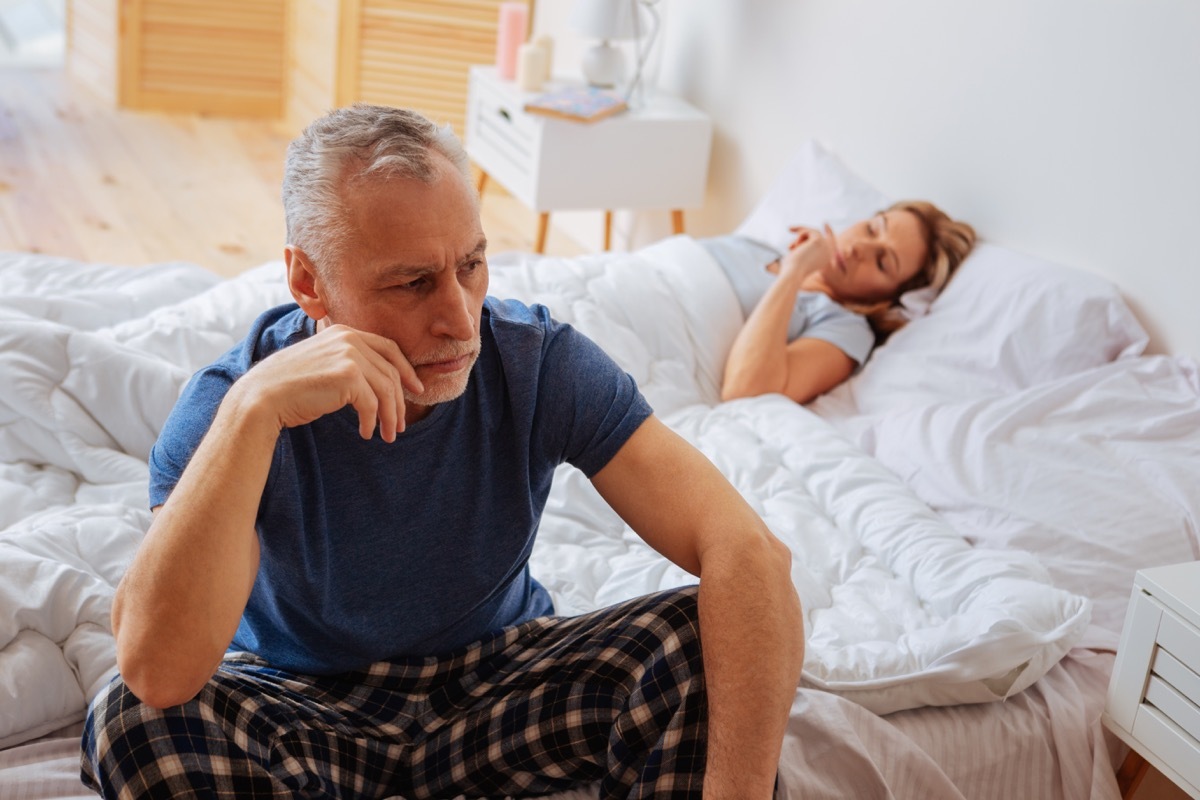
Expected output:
(81, 179)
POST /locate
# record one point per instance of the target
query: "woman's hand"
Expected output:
(810, 252)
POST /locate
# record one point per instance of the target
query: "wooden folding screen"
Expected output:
(288, 59)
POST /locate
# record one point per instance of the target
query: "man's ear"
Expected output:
(304, 283)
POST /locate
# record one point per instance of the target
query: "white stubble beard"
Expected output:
(445, 388)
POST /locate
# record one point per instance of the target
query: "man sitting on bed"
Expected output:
(346, 502)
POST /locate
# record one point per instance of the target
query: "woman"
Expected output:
(832, 297)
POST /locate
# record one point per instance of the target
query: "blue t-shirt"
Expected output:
(815, 315)
(370, 550)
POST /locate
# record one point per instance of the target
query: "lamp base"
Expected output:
(604, 66)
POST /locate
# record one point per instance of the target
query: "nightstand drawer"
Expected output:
(1180, 640)
(502, 137)
(1174, 706)
(1169, 747)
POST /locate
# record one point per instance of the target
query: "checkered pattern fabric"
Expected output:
(616, 696)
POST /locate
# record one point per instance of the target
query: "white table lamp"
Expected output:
(608, 21)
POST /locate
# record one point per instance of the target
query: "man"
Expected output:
(348, 500)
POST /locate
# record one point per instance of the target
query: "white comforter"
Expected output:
(901, 611)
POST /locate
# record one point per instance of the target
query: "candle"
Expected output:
(531, 67)
(547, 44)
(509, 36)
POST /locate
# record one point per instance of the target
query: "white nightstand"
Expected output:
(651, 157)
(1154, 696)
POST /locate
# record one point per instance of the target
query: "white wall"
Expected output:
(1066, 128)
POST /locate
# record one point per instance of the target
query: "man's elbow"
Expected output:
(157, 682)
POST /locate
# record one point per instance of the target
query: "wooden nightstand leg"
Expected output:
(543, 223)
(607, 230)
(479, 187)
(677, 220)
(1129, 777)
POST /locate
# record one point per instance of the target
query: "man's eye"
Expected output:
(412, 285)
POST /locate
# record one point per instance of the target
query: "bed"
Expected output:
(966, 513)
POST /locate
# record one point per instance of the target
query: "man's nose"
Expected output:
(452, 312)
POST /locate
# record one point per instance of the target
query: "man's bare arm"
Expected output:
(179, 604)
(750, 622)
(177, 608)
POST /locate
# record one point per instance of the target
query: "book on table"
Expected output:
(578, 103)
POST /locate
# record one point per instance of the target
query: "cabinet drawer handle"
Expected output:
(504, 113)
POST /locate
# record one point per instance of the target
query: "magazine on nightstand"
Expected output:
(578, 103)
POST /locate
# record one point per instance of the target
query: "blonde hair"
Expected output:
(947, 242)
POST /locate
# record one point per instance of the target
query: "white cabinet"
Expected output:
(653, 156)
(1154, 696)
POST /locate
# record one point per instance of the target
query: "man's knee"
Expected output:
(685, 602)
(121, 730)
(111, 730)
(665, 631)
(679, 611)
(108, 713)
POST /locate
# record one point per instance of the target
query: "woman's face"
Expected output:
(875, 257)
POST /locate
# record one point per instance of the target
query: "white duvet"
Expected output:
(901, 610)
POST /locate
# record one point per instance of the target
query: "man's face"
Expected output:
(414, 270)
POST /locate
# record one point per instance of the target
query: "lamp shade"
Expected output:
(606, 19)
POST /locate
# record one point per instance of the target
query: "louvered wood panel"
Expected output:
(312, 59)
(416, 53)
(268, 58)
(215, 56)
(91, 52)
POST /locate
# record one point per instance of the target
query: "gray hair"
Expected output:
(353, 143)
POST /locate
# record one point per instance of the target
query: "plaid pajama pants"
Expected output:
(615, 696)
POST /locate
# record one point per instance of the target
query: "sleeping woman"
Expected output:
(814, 314)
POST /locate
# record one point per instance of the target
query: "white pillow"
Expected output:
(1005, 322)
(814, 187)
